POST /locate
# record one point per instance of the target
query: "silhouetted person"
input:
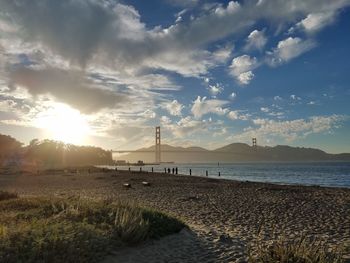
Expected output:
(168, 170)
(206, 173)
(219, 174)
(173, 170)
(190, 172)
(164, 170)
(176, 170)
(152, 169)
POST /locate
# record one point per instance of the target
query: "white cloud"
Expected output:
(289, 48)
(316, 21)
(165, 120)
(277, 98)
(202, 106)
(292, 129)
(233, 95)
(174, 107)
(265, 109)
(115, 51)
(215, 89)
(246, 77)
(256, 40)
(295, 97)
(185, 127)
(241, 68)
(238, 115)
(231, 8)
(223, 54)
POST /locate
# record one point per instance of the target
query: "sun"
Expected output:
(62, 123)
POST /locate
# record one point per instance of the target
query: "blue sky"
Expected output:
(209, 73)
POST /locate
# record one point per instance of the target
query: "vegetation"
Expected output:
(7, 195)
(300, 250)
(61, 230)
(50, 154)
(9, 147)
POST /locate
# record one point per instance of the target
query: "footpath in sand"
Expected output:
(223, 216)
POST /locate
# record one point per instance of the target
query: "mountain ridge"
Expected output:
(236, 152)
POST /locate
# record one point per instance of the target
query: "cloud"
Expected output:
(241, 68)
(316, 21)
(256, 40)
(112, 34)
(215, 89)
(202, 106)
(265, 109)
(238, 115)
(233, 95)
(174, 107)
(111, 63)
(288, 49)
(68, 87)
(185, 126)
(292, 129)
(223, 54)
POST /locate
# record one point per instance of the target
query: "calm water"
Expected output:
(335, 174)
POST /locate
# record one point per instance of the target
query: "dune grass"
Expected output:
(300, 250)
(7, 195)
(62, 230)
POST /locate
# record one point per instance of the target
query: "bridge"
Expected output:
(157, 150)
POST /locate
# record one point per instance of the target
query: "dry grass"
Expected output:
(61, 230)
(299, 250)
(7, 195)
(296, 251)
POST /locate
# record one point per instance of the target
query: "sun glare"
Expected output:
(63, 123)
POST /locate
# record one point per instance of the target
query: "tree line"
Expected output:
(49, 153)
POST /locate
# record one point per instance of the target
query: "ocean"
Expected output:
(332, 174)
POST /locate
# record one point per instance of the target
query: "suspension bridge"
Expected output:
(158, 151)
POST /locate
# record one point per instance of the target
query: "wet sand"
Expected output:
(223, 216)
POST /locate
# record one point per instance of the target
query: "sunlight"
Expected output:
(62, 123)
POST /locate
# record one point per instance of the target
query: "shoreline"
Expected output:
(224, 177)
(223, 215)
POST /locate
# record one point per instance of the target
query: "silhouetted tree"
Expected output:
(9, 148)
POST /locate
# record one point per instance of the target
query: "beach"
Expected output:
(225, 218)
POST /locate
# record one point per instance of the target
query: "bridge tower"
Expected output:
(157, 149)
(255, 146)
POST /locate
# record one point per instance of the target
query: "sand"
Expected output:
(223, 216)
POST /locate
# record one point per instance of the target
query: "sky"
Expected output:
(210, 73)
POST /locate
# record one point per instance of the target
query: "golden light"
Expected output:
(62, 123)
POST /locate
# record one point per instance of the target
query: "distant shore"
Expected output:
(224, 216)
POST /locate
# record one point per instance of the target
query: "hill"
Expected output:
(235, 152)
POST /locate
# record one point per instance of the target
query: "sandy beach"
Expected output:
(223, 216)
